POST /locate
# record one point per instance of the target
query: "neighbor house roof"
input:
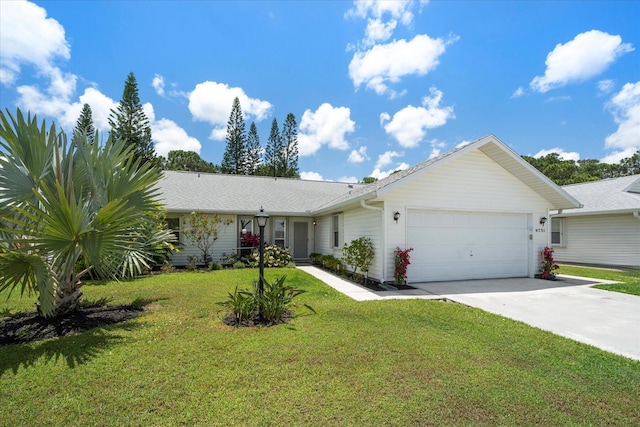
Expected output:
(615, 195)
(242, 194)
(490, 146)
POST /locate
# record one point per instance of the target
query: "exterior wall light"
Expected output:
(543, 220)
(396, 216)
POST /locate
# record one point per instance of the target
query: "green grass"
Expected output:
(377, 363)
(629, 278)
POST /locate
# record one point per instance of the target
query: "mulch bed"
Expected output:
(29, 327)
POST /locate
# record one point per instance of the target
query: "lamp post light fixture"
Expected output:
(261, 217)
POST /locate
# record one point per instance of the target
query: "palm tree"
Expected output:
(68, 208)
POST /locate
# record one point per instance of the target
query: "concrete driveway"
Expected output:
(567, 307)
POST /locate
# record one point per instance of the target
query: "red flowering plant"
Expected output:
(548, 264)
(401, 261)
(252, 240)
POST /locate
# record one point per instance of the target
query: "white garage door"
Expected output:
(466, 245)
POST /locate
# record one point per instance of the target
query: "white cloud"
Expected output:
(388, 63)
(28, 37)
(463, 143)
(311, 176)
(359, 155)
(379, 31)
(564, 155)
(348, 179)
(558, 98)
(587, 55)
(327, 125)
(436, 148)
(380, 174)
(625, 107)
(399, 10)
(211, 102)
(518, 93)
(409, 125)
(168, 136)
(158, 84)
(386, 158)
(605, 87)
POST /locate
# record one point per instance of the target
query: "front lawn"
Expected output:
(629, 278)
(376, 363)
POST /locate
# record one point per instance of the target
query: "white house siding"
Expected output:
(226, 243)
(322, 235)
(471, 183)
(602, 239)
(363, 222)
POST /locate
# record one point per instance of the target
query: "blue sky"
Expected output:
(375, 86)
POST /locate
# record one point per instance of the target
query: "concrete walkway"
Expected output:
(569, 307)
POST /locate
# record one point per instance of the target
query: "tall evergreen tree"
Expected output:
(289, 151)
(272, 151)
(234, 157)
(84, 125)
(130, 123)
(253, 151)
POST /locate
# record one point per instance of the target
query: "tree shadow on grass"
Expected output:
(73, 349)
(76, 337)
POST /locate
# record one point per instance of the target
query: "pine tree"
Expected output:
(129, 122)
(253, 151)
(274, 145)
(289, 151)
(84, 125)
(233, 161)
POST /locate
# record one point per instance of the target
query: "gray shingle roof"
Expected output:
(241, 194)
(606, 196)
(191, 191)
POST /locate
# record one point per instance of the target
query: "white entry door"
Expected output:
(453, 245)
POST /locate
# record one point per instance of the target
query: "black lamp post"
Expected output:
(261, 218)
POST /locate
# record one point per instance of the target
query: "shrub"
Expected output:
(167, 268)
(316, 258)
(274, 256)
(215, 266)
(239, 264)
(401, 262)
(242, 305)
(548, 264)
(191, 262)
(274, 305)
(358, 254)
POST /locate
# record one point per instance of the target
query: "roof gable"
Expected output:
(491, 147)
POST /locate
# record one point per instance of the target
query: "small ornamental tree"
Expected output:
(358, 254)
(548, 264)
(401, 262)
(203, 230)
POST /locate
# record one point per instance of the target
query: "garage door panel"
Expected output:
(466, 245)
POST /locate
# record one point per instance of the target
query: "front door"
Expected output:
(300, 240)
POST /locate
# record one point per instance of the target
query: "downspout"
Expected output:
(383, 261)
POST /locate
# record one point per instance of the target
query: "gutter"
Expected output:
(383, 245)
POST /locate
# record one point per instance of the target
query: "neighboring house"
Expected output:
(606, 230)
(472, 213)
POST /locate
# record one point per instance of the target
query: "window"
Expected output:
(556, 232)
(174, 225)
(335, 230)
(279, 232)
